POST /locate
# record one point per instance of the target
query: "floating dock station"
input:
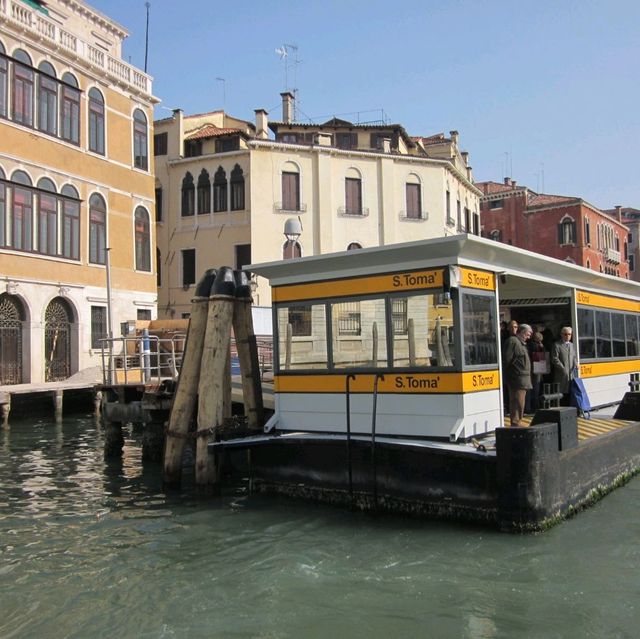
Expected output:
(388, 391)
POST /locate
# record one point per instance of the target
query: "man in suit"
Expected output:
(564, 361)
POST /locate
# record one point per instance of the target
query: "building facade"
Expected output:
(566, 228)
(228, 189)
(630, 217)
(76, 189)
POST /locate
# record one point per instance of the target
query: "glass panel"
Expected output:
(603, 334)
(3, 215)
(586, 333)
(359, 334)
(479, 330)
(302, 337)
(427, 338)
(3, 87)
(617, 331)
(631, 322)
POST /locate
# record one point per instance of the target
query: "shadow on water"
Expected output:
(90, 548)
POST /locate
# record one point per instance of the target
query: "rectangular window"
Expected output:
(3, 213)
(603, 334)
(160, 143)
(450, 220)
(359, 334)
(71, 229)
(22, 219)
(476, 224)
(243, 255)
(495, 204)
(290, 191)
(96, 126)
(219, 196)
(47, 224)
(459, 214)
(586, 332)
(98, 325)
(631, 330)
(22, 95)
(143, 314)
(192, 148)
(346, 140)
(479, 337)
(399, 318)
(188, 267)
(587, 231)
(353, 196)
(414, 201)
(237, 194)
(617, 335)
(632, 266)
(467, 219)
(4, 82)
(48, 105)
(226, 145)
(70, 115)
(302, 337)
(140, 155)
(159, 204)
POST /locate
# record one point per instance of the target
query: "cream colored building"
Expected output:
(225, 188)
(76, 179)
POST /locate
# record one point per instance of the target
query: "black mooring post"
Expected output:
(349, 463)
(374, 469)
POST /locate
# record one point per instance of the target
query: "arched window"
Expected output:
(567, 231)
(143, 240)
(47, 99)
(96, 121)
(291, 250)
(204, 193)
(22, 212)
(188, 195)
(70, 222)
(97, 229)
(354, 246)
(237, 188)
(3, 210)
(290, 187)
(353, 193)
(4, 83)
(140, 152)
(413, 198)
(220, 191)
(47, 217)
(22, 111)
(70, 109)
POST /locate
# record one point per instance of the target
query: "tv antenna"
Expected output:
(289, 57)
(224, 92)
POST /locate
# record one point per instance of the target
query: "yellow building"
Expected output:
(227, 188)
(76, 188)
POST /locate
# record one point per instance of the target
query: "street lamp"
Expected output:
(292, 231)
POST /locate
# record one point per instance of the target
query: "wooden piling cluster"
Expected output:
(222, 302)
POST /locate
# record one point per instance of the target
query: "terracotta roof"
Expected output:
(490, 188)
(548, 200)
(437, 138)
(209, 131)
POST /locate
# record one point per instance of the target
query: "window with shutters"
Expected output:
(353, 196)
(414, 201)
(290, 191)
(70, 222)
(192, 148)
(47, 99)
(70, 110)
(450, 220)
(47, 214)
(567, 231)
(97, 229)
(22, 212)
(346, 140)
(220, 191)
(4, 83)
(22, 89)
(160, 141)
(587, 231)
(188, 267)
(225, 145)
(459, 214)
(96, 121)
(467, 220)
(159, 204)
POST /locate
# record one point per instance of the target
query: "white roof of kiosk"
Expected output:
(529, 274)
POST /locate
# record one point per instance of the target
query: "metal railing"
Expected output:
(141, 359)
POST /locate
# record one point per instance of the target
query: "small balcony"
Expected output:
(414, 216)
(343, 211)
(286, 207)
(611, 255)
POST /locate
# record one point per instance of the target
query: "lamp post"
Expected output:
(292, 231)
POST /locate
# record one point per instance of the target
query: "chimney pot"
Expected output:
(507, 181)
(619, 212)
(454, 136)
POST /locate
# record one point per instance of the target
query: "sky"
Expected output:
(544, 91)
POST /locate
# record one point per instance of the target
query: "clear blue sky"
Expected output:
(546, 90)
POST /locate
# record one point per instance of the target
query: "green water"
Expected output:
(89, 549)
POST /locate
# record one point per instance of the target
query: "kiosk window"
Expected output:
(479, 330)
(302, 337)
(586, 332)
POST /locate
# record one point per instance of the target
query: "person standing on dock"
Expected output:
(564, 362)
(517, 371)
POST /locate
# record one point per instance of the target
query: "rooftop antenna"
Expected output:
(224, 92)
(289, 55)
(542, 177)
(146, 38)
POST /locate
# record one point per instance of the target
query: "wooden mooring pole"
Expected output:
(212, 371)
(186, 393)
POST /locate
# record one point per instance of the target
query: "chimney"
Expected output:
(619, 212)
(178, 118)
(322, 139)
(507, 181)
(287, 107)
(261, 124)
(454, 136)
(513, 183)
(465, 157)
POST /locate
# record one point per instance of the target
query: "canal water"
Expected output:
(90, 549)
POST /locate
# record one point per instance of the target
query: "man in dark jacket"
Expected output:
(564, 361)
(517, 371)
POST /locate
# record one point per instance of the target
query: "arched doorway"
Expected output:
(11, 318)
(57, 340)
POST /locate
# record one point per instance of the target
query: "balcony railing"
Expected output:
(284, 207)
(45, 29)
(611, 255)
(343, 211)
(413, 216)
